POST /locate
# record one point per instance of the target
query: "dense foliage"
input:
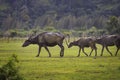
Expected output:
(10, 71)
(60, 14)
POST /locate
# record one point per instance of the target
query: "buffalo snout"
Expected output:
(70, 45)
(23, 45)
(26, 43)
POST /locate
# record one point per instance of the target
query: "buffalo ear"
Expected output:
(31, 36)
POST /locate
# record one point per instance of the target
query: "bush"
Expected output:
(10, 70)
(49, 28)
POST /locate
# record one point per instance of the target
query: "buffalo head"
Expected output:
(26, 43)
(72, 44)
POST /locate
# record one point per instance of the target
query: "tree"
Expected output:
(113, 25)
(7, 22)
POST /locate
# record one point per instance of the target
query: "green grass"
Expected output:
(69, 67)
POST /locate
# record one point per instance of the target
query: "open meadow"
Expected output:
(68, 67)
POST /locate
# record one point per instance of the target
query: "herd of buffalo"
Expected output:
(51, 39)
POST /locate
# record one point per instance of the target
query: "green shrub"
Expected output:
(10, 71)
(49, 28)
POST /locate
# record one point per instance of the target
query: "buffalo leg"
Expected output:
(96, 52)
(48, 51)
(79, 52)
(95, 48)
(91, 52)
(102, 50)
(117, 51)
(39, 50)
(62, 50)
(84, 52)
(108, 50)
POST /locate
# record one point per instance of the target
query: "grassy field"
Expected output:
(69, 67)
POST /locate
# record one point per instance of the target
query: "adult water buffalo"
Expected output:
(84, 42)
(109, 40)
(47, 39)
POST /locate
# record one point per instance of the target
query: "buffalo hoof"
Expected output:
(37, 56)
(50, 56)
(115, 54)
(61, 55)
(89, 55)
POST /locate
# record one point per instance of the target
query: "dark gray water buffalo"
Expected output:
(84, 42)
(47, 39)
(109, 40)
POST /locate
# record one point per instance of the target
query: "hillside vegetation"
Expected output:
(60, 14)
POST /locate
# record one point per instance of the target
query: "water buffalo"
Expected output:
(84, 42)
(47, 39)
(117, 43)
(109, 40)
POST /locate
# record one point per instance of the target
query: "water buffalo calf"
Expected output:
(47, 39)
(84, 42)
(109, 40)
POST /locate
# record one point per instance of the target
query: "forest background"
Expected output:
(77, 17)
